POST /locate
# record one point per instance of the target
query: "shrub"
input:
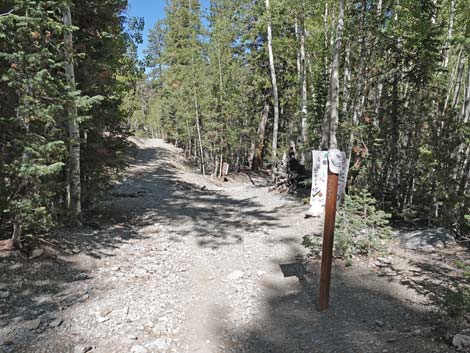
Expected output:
(360, 228)
(453, 295)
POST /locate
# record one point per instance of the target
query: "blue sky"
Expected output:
(151, 11)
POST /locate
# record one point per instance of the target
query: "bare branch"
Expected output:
(7, 13)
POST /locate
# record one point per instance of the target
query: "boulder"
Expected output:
(138, 349)
(461, 341)
(427, 240)
(82, 349)
(36, 253)
(235, 275)
(32, 324)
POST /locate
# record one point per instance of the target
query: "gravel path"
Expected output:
(180, 263)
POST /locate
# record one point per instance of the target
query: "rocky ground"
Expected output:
(175, 262)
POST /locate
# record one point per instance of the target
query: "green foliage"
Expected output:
(35, 98)
(32, 141)
(108, 70)
(361, 228)
(454, 298)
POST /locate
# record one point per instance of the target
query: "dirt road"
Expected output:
(179, 263)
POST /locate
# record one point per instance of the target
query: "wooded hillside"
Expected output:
(242, 82)
(386, 81)
(142, 204)
(65, 67)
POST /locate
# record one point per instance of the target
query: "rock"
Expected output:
(379, 323)
(82, 349)
(56, 323)
(140, 273)
(36, 253)
(260, 273)
(105, 312)
(235, 275)
(161, 344)
(102, 319)
(159, 328)
(405, 282)
(138, 349)
(32, 324)
(427, 240)
(461, 341)
(4, 295)
(384, 260)
(424, 331)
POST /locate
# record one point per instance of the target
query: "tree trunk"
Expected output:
(395, 119)
(16, 236)
(74, 188)
(449, 33)
(257, 160)
(458, 87)
(196, 106)
(346, 81)
(466, 102)
(198, 127)
(379, 7)
(273, 81)
(297, 36)
(303, 93)
(330, 121)
(452, 80)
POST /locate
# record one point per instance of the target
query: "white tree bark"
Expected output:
(466, 102)
(303, 93)
(379, 7)
(457, 91)
(256, 156)
(74, 187)
(452, 82)
(449, 33)
(330, 122)
(196, 103)
(273, 81)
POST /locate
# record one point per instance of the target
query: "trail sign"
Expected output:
(320, 164)
(319, 177)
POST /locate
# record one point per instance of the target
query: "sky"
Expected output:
(151, 11)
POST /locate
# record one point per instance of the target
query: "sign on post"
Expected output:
(319, 181)
(329, 175)
(319, 177)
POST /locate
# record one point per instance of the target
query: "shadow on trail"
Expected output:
(445, 286)
(38, 290)
(41, 288)
(159, 195)
(290, 322)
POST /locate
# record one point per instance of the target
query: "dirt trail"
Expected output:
(183, 264)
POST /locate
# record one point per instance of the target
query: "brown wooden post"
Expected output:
(328, 237)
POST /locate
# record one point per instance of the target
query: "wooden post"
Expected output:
(328, 237)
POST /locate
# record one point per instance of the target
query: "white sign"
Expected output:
(319, 178)
(321, 161)
(342, 179)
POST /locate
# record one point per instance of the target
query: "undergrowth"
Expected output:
(361, 229)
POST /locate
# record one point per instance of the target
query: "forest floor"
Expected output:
(175, 262)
